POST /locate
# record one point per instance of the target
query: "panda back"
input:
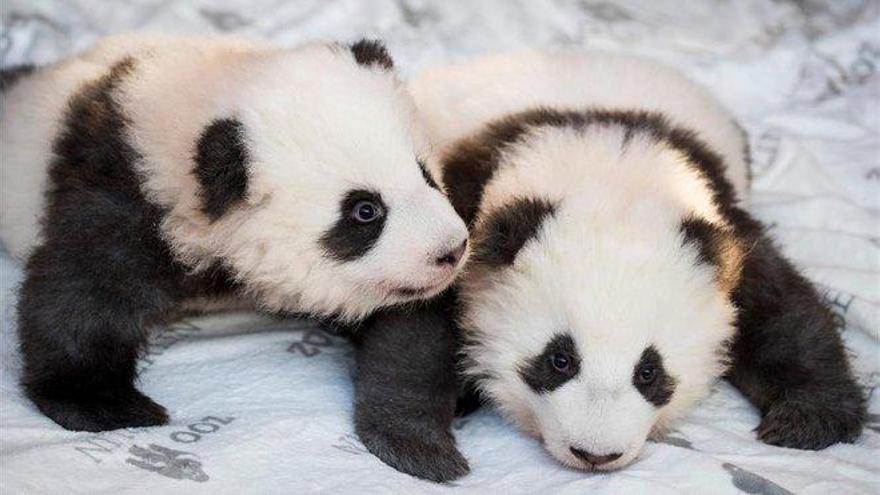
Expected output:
(456, 101)
(33, 107)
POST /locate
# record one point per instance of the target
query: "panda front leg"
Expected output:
(82, 312)
(406, 390)
(789, 359)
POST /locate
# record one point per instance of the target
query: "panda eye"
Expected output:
(556, 364)
(646, 375)
(366, 211)
(561, 362)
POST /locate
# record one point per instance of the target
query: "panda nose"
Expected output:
(595, 460)
(452, 257)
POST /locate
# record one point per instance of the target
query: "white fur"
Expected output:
(609, 267)
(317, 123)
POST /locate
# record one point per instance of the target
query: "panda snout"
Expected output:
(452, 257)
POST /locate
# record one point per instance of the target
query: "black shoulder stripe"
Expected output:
(93, 114)
(717, 247)
(706, 237)
(469, 166)
(507, 229)
(371, 53)
(96, 194)
(221, 166)
(747, 152)
(709, 164)
(426, 174)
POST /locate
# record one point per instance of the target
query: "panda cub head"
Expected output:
(597, 301)
(307, 183)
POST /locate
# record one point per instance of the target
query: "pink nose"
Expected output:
(595, 460)
(452, 257)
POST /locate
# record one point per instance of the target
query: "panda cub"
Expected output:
(155, 174)
(615, 273)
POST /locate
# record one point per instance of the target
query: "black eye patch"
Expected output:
(558, 363)
(351, 237)
(651, 379)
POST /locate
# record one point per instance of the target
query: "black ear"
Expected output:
(221, 166)
(507, 229)
(371, 53)
(716, 246)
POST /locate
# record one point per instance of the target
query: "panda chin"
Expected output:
(406, 293)
(411, 293)
(575, 463)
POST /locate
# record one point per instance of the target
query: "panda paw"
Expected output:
(423, 456)
(811, 423)
(122, 409)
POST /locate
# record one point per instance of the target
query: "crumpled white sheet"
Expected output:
(264, 406)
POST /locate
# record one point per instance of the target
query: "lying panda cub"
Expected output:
(154, 174)
(615, 274)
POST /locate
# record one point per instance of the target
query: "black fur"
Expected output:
(469, 398)
(473, 161)
(9, 76)
(372, 53)
(659, 391)
(508, 229)
(349, 239)
(787, 356)
(427, 175)
(747, 153)
(538, 372)
(221, 166)
(706, 237)
(406, 388)
(716, 246)
(101, 275)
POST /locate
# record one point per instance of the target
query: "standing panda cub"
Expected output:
(154, 174)
(615, 274)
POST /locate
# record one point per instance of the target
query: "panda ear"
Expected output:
(505, 231)
(221, 166)
(716, 246)
(371, 53)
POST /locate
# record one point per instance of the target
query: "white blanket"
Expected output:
(264, 406)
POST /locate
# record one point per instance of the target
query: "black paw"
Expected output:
(124, 409)
(422, 456)
(810, 424)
